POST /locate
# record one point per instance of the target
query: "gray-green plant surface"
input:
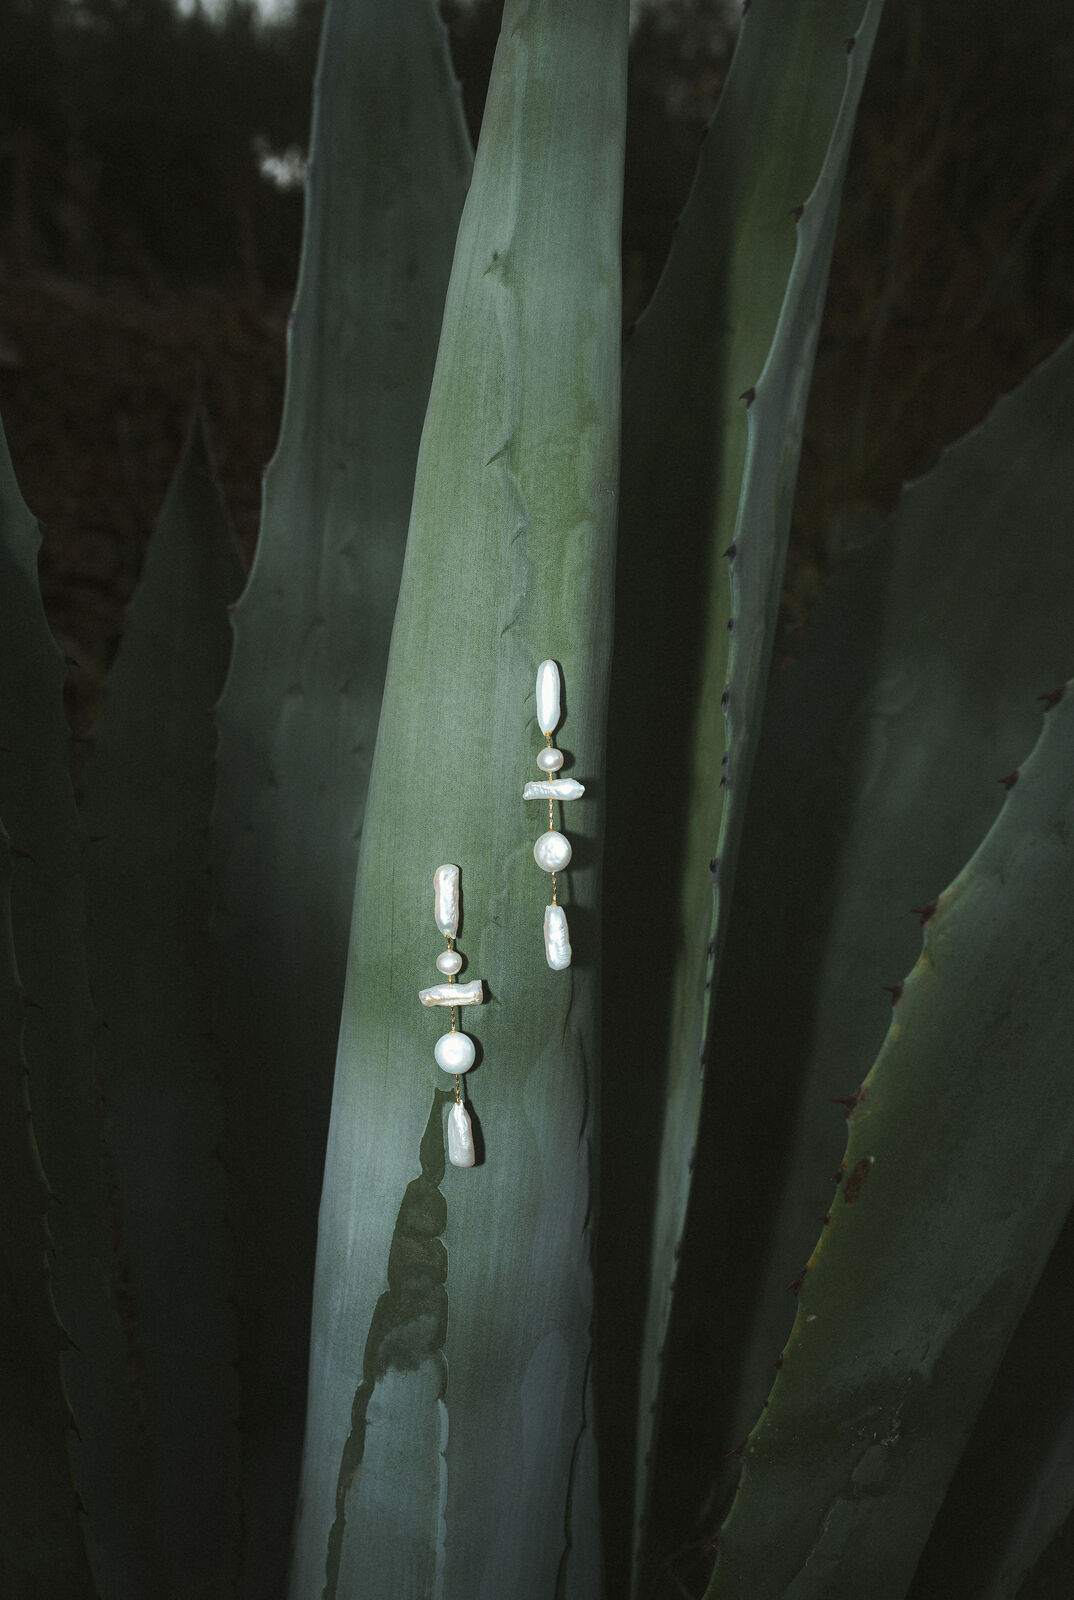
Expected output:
(174, 980)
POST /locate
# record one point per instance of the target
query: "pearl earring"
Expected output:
(454, 1051)
(552, 852)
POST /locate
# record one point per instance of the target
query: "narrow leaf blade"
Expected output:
(147, 798)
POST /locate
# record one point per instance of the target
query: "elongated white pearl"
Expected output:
(548, 691)
(454, 1052)
(446, 900)
(453, 994)
(554, 789)
(448, 961)
(550, 759)
(460, 1137)
(557, 940)
(552, 851)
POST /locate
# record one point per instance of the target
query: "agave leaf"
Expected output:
(914, 692)
(41, 1548)
(56, 1044)
(1014, 1488)
(147, 797)
(881, 751)
(713, 405)
(508, 562)
(957, 1181)
(389, 166)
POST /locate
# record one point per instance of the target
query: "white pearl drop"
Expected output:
(557, 942)
(550, 759)
(446, 900)
(449, 961)
(548, 691)
(460, 1137)
(552, 851)
(454, 1052)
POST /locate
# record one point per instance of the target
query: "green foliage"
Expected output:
(183, 964)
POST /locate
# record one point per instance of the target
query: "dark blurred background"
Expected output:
(151, 172)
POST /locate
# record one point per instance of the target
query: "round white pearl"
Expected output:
(449, 961)
(550, 759)
(454, 1052)
(552, 851)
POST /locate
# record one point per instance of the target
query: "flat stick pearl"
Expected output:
(453, 994)
(448, 962)
(557, 942)
(454, 1052)
(552, 851)
(550, 759)
(554, 789)
(446, 900)
(548, 692)
(460, 1137)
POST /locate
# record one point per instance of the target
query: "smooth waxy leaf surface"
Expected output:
(714, 397)
(56, 1045)
(389, 166)
(147, 797)
(482, 1436)
(882, 749)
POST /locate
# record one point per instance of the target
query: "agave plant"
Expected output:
(210, 1004)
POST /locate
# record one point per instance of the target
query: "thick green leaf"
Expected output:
(147, 796)
(389, 166)
(486, 1443)
(730, 336)
(957, 1181)
(42, 1556)
(877, 773)
(56, 1044)
(881, 752)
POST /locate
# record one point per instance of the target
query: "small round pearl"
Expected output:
(454, 1052)
(552, 851)
(550, 759)
(449, 962)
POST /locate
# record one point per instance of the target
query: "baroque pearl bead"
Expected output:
(446, 900)
(557, 942)
(448, 961)
(460, 1137)
(554, 789)
(548, 692)
(550, 759)
(552, 851)
(453, 994)
(454, 1052)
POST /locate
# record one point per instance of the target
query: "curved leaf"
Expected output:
(714, 397)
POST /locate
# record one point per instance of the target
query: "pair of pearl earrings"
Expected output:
(455, 1051)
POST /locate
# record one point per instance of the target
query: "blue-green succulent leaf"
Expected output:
(389, 166)
(509, 562)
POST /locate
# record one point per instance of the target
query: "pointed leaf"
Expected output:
(714, 399)
(508, 563)
(388, 172)
(48, 928)
(147, 796)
